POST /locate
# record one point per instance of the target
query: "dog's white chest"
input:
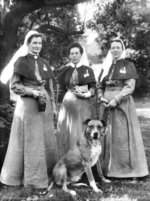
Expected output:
(95, 153)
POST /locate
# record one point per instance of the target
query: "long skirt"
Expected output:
(123, 149)
(32, 150)
(73, 112)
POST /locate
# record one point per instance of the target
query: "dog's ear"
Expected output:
(104, 123)
(86, 121)
(104, 127)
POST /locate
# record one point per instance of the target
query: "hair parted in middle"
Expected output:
(73, 45)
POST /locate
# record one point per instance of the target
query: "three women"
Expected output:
(32, 150)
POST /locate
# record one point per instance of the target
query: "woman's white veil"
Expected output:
(109, 59)
(84, 59)
(22, 51)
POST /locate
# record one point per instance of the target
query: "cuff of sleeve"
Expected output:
(118, 99)
(87, 94)
(28, 91)
(92, 90)
(99, 94)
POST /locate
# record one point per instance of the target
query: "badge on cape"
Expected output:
(44, 68)
(86, 74)
(123, 70)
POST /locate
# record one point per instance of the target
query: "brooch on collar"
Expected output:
(86, 74)
(44, 68)
(123, 70)
(35, 56)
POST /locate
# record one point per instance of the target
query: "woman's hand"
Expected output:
(112, 103)
(55, 112)
(19, 89)
(104, 101)
(82, 95)
(79, 94)
(36, 93)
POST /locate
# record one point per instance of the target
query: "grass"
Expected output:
(117, 190)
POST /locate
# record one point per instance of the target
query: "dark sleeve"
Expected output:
(51, 93)
(61, 92)
(62, 86)
(18, 88)
(100, 88)
(92, 83)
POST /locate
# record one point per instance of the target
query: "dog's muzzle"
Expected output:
(95, 135)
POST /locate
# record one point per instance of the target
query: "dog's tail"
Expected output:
(78, 184)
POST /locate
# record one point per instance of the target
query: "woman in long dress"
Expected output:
(32, 149)
(77, 86)
(124, 154)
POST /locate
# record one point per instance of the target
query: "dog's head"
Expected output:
(94, 129)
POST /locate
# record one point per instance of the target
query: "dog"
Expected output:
(80, 158)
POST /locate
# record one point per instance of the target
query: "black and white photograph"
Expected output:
(74, 100)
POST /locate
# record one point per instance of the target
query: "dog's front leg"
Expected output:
(91, 179)
(100, 172)
(65, 188)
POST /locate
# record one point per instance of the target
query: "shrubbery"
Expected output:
(131, 21)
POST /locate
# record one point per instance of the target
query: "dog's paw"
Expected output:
(97, 190)
(106, 180)
(73, 193)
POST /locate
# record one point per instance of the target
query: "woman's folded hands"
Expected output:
(36, 93)
(82, 95)
(112, 103)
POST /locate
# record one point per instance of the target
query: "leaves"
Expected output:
(131, 21)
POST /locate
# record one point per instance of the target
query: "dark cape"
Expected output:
(25, 66)
(123, 70)
(66, 72)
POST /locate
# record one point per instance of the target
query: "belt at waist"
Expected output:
(113, 88)
(36, 87)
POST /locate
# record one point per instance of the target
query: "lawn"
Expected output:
(117, 190)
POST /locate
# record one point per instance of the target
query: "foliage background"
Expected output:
(61, 24)
(129, 19)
